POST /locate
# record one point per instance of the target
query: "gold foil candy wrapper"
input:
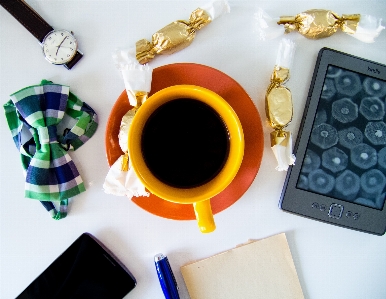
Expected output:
(278, 100)
(172, 38)
(123, 136)
(320, 23)
(279, 106)
(126, 121)
(179, 34)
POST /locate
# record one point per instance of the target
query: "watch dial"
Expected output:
(59, 46)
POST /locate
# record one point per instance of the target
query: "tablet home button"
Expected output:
(335, 211)
(315, 205)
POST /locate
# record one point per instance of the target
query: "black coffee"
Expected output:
(185, 143)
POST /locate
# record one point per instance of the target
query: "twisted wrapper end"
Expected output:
(146, 51)
(137, 78)
(290, 23)
(279, 76)
(349, 23)
(198, 20)
(281, 144)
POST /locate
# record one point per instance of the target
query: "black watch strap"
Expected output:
(29, 18)
(74, 60)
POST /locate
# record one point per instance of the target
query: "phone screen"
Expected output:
(86, 270)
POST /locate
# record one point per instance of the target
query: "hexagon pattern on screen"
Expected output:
(346, 152)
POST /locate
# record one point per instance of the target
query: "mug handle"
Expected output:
(204, 216)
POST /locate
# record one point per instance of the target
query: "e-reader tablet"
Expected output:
(86, 270)
(340, 174)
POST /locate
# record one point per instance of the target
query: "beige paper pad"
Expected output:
(258, 269)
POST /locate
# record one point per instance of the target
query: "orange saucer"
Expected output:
(234, 94)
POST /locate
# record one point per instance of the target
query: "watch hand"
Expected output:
(60, 45)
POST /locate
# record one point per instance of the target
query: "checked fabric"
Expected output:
(34, 114)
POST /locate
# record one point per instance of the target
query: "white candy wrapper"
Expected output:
(285, 54)
(316, 24)
(216, 8)
(121, 180)
(284, 155)
(137, 77)
(123, 183)
(369, 28)
(266, 26)
(279, 107)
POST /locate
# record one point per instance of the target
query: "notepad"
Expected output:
(257, 269)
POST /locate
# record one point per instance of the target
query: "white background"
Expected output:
(332, 262)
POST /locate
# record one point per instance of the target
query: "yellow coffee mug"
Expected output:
(198, 196)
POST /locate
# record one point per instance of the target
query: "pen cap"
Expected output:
(158, 257)
(166, 277)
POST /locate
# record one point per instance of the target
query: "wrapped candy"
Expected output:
(319, 23)
(279, 108)
(179, 34)
(121, 180)
(137, 78)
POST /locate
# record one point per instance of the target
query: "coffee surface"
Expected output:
(185, 143)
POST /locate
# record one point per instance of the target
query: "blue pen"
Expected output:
(166, 277)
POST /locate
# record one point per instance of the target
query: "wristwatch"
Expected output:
(59, 46)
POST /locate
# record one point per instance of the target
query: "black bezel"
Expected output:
(317, 206)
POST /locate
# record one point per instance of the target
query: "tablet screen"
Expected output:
(345, 156)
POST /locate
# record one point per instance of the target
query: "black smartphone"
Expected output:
(86, 270)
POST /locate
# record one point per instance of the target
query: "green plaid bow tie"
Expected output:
(51, 175)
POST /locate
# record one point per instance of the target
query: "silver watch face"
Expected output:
(59, 46)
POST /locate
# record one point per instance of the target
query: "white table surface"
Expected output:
(331, 262)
